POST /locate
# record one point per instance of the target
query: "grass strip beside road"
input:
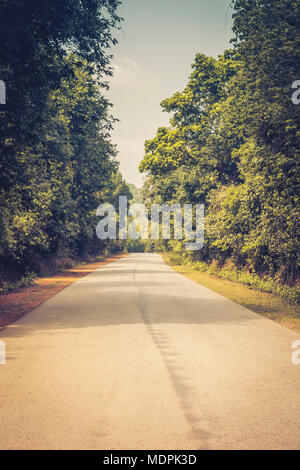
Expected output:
(265, 304)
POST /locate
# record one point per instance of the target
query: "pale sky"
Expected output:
(157, 45)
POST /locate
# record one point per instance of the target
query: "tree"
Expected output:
(56, 159)
(233, 143)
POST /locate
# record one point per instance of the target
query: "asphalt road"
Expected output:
(136, 356)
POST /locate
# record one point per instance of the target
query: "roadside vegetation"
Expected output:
(57, 162)
(229, 272)
(233, 145)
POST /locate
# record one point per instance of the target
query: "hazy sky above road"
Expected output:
(157, 45)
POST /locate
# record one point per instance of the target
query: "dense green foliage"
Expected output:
(56, 160)
(233, 144)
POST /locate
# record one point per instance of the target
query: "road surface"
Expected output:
(136, 356)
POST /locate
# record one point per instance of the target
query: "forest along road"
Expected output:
(136, 356)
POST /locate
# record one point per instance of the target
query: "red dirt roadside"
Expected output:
(14, 305)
